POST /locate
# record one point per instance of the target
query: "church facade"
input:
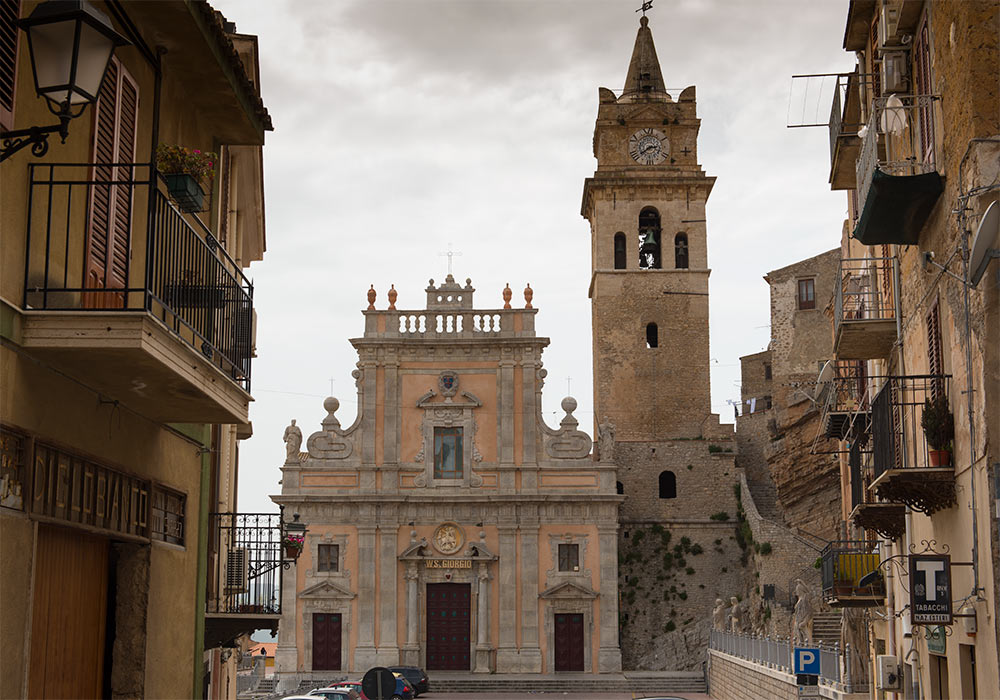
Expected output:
(449, 526)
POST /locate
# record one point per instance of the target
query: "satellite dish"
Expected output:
(893, 119)
(826, 375)
(986, 244)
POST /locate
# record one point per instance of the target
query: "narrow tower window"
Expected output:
(649, 239)
(652, 335)
(681, 251)
(620, 251)
(668, 485)
(619, 488)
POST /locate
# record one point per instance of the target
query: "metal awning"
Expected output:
(896, 208)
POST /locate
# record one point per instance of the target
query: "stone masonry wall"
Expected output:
(669, 577)
(731, 678)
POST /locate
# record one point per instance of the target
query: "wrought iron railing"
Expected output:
(850, 569)
(867, 290)
(898, 440)
(898, 139)
(246, 555)
(106, 237)
(846, 88)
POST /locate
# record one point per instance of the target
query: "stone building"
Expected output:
(126, 325)
(449, 526)
(649, 299)
(783, 448)
(915, 145)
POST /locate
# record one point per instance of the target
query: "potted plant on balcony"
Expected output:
(184, 170)
(293, 545)
(939, 429)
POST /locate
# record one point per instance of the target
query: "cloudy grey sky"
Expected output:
(403, 126)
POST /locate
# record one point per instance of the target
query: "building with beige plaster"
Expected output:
(449, 526)
(125, 353)
(915, 143)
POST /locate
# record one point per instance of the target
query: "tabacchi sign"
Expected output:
(930, 589)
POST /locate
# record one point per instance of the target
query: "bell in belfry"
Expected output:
(650, 245)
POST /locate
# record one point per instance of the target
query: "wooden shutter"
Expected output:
(110, 215)
(875, 76)
(922, 86)
(935, 364)
(10, 10)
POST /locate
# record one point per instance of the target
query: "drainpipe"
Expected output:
(197, 685)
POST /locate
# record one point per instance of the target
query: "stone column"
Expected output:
(609, 658)
(483, 620)
(364, 652)
(286, 654)
(507, 582)
(411, 649)
(530, 653)
(388, 651)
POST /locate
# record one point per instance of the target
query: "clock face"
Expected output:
(648, 146)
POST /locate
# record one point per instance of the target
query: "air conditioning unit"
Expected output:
(237, 568)
(895, 71)
(889, 676)
(888, 23)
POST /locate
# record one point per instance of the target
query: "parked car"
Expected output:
(340, 692)
(415, 677)
(403, 688)
(355, 686)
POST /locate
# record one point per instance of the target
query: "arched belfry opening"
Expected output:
(668, 485)
(649, 239)
(620, 253)
(681, 251)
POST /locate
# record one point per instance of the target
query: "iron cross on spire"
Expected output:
(450, 254)
(646, 5)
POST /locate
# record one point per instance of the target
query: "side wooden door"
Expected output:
(68, 617)
(569, 642)
(326, 641)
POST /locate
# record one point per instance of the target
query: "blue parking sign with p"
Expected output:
(806, 660)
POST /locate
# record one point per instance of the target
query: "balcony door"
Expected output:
(109, 216)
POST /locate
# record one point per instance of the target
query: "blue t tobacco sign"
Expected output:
(930, 589)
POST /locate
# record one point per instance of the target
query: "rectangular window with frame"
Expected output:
(328, 558)
(569, 557)
(807, 294)
(167, 515)
(448, 453)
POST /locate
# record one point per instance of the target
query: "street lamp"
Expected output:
(294, 538)
(70, 44)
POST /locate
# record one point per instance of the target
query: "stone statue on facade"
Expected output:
(293, 441)
(719, 616)
(853, 641)
(735, 616)
(606, 441)
(803, 614)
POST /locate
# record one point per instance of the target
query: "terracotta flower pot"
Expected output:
(292, 552)
(940, 458)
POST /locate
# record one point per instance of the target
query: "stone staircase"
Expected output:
(765, 497)
(826, 627)
(639, 683)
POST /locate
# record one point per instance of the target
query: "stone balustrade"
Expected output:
(450, 324)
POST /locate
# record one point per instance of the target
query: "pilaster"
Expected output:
(364, 653)
(507, 661)
(388, 649)
(609, 659)
(286, 654)
(530, 652)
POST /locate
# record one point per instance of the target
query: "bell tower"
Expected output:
(649, 257)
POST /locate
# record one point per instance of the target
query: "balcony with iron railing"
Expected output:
(868, 511)
(848, 407)
(124, 289)
(851, 574)
(246, 559)
(866, 308)
(896, 173)
(845, 123)
(905, 467)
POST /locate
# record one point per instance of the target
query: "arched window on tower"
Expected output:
(620, 255)
(652, 335)
(668, 485)
(681, 251)
(649, 239)
(619, 488)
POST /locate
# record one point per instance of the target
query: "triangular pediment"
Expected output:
(646, 113)
(327, 589)
(569, 589)
(428, 399)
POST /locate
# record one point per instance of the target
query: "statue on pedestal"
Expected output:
(293, 441)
